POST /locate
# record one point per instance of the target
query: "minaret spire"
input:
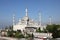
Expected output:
(40, 19)
(26, 12)
(13, 19)
(40, 23)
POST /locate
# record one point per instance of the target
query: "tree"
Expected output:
(44, 30)
(38, 30)
(11, 27)
(54, 30)
(10, 33)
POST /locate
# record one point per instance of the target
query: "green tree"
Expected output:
(54, 30)
(10, 33)
(44, 30)
(10, 27)
(38, 30)
(18, 34)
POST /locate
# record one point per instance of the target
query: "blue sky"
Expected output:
(17, 7)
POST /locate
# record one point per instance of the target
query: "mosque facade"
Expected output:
(26, 23)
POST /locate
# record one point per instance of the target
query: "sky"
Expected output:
(47, 8)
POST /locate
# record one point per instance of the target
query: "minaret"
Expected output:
(40, 19)
(13, 19)
(50, 22)
(26, 12)
(26, 16)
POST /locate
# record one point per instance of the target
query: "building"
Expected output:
(26, 24)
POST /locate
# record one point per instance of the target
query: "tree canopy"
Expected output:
(54, 29)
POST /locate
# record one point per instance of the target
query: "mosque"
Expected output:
(27, 24)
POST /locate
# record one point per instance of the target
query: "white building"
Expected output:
(26, 23)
